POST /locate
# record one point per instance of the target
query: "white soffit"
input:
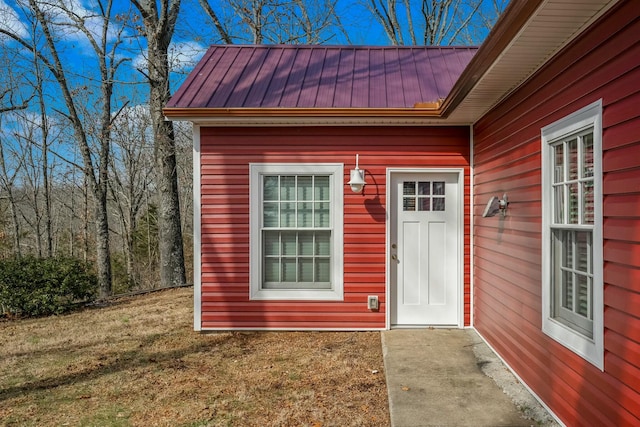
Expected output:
(552, 26)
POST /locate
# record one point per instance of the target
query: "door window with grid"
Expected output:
(572, 232)
(423, 196)
(296, 231)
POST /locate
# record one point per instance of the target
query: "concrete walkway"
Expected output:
(435, 378)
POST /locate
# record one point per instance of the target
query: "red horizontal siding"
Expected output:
(225, 157)
(603, 63)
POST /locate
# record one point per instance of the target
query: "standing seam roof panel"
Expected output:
(327, 86)
(344, 82)
(283, 72)
(377, 87)
(229, 82)
(263, 79)
(410, 86)
(247, 77)
(361, 80)
(204, 80)
(395, 95)
(296, 79)
(309, 92)
(298, 76)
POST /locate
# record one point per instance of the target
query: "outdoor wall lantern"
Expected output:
(357, 181)
(496, 205)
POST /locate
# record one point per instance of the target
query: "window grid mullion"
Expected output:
(292, 226)
(580, 173)
(565, 177)
(574, 269)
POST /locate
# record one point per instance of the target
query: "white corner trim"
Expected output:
(197, 233)
(471, 233)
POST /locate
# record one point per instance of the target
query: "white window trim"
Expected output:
(591, 350)
(336, 171)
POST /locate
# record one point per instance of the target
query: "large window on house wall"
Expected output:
(572, 232)
(296, 231)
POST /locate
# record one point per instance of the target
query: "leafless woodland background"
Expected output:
(89, 168)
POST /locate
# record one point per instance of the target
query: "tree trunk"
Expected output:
(160, 26)
(103, 254)
(172, 269)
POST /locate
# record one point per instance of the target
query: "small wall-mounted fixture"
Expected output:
(357, 181)
(496, 205)
(372, 302)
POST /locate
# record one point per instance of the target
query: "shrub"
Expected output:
(36, 287)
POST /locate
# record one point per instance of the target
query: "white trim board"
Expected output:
(197, 233)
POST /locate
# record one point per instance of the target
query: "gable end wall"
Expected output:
(225, 154)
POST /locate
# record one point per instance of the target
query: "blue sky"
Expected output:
(194, 33)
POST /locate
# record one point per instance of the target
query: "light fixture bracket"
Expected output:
(357, 175)
(495, 206)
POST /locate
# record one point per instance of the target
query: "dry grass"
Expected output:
(138, 362)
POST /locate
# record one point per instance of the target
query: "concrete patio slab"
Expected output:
(434, 378)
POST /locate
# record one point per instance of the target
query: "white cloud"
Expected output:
(68, 16)
(182, 56)
(10, 21)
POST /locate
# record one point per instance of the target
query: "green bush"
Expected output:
(37, 287)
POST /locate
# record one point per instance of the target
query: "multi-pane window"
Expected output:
(572, 263)
(423, 196)
(296, 231)
(572, 231)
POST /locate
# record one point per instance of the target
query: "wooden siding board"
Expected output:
(621, 158)
(622, 206)
(622, 229)
(628, 326)
(225, 156)
(600, 64)
(622, 134)
(617, 343)
(621, 299)
(620, 182)
(622, 276)
(622, 253)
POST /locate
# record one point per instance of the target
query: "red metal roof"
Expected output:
(295, 76)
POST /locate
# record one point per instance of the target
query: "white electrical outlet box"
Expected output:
(372, 302)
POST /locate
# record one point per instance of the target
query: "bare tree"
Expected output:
(44, 148)
(52, 19)
(274, 21)
(11, 158)
(434, 22)
(8, 174)
(132, 171)
(159, 19)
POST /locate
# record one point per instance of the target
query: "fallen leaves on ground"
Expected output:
(137, 361)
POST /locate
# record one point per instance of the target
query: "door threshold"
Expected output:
(426, 327)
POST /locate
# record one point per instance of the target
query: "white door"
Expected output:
(425, 258)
